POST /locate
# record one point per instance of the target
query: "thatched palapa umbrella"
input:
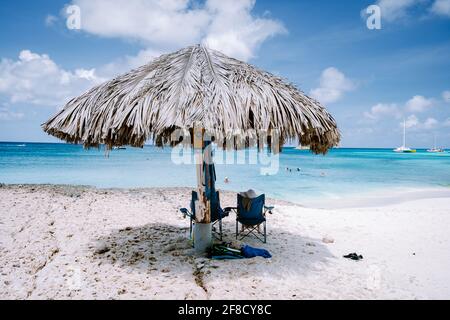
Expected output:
(200, 91)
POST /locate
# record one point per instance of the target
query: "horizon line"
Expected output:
(152, 145)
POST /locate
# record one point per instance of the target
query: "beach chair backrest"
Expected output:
(215, 205)
(250, 208)
(193, 199)
(216, 210)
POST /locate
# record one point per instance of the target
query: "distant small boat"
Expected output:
(119, 148)
(435, 149)
(21, 145)
(303, 148)
(403, 148)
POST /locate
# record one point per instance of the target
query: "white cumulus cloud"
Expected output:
(418, 104)
(430, 123)
(381, 110)
(446, 96)
(332, 86)
(50, 20)
(37, 79)
(441, 7)
(125, 64)
(234, 31)
(395, 9)
(162, 22)
(413, 122)
(6, 114)
(163, 25)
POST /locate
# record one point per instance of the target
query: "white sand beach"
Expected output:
(66, 242)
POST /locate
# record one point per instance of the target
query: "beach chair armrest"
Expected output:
(229, 209)
(224, 213)
(269, 209)
(186, 213)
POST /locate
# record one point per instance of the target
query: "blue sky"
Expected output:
(370, 80)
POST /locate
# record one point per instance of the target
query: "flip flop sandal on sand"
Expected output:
(354, 256)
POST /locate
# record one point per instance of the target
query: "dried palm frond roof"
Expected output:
(195, 86)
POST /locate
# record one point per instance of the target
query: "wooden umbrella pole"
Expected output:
(203, 213)
(200, 206)
(202, 228)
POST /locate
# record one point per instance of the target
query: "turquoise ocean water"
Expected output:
(342, 172)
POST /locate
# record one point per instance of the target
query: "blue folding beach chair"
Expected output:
(251, 213)
(217, 214)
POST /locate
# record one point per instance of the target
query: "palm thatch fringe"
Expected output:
(195, 86)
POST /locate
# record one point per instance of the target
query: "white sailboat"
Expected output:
(435, 149)
(403, 148)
